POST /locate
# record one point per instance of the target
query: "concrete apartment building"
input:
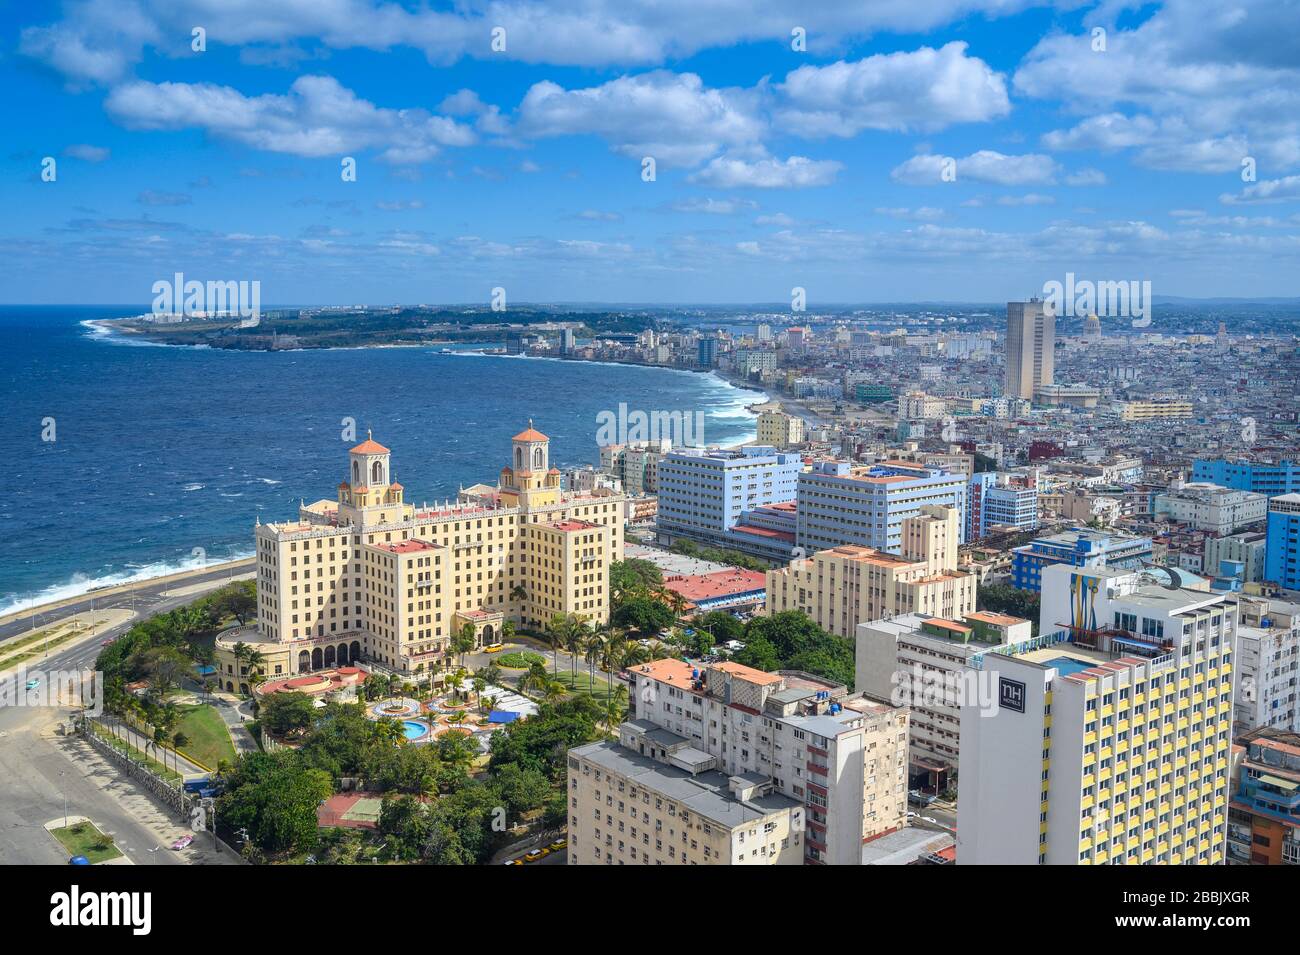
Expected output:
(1247, 548)
(841, 757)
(1078, 547)
(368, 576)
(924, 663)
(1211, 508)
(1111, 735)
(636, 466)
(705, 494)
(997, 501)
(653, 799)
(1282, 545)
(780, 430)
(843, 586)
(1264, 816)
(1260, 477)
(1030, 347)
(840, 503)
(1268, 664)
(1156, 409)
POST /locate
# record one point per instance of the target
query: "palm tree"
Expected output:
(553, 691)
(593, 646)
(256, 661)
(456, 680)
(479, 682)
(557, 634)
(576, 644)
(616, 707)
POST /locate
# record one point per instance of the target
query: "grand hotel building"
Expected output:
(370, 577)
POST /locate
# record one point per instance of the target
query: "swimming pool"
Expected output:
(413, 729)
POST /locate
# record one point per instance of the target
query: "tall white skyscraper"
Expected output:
(1031, 338)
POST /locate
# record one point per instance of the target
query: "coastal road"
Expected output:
(146, 596)
(38, 768)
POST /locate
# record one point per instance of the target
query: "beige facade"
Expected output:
(842, 587)
(779, 429)
(1031, 343)
(630, 808)
(1156, 409)
(842, 758)
(369, 575)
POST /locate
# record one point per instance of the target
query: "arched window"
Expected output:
(537, 459)
(377, 473)
(356, 473)
(519, 459)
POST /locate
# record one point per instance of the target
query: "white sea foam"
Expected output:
(80, 584)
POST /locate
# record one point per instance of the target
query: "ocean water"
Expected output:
(163, 457)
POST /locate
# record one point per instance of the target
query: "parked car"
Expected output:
(494, 648)
(183, 842)
(33, 683)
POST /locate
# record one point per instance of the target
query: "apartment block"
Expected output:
(1211, 508)
(842, 757)
(999, 501)
(924, 663)
(653, 799)
(1268, 664)
(1157, 409)
(1282, 548)
(1078, 547)
(1258, 477)
(840, 503)
(704, 494)
(779, 429)
(1264, 816)
(844, 586)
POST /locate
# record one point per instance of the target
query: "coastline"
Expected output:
(54, 603)
(728, 412)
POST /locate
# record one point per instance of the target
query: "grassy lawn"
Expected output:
(582, 683)
(209, 740)
(14, 653)
(83, 839)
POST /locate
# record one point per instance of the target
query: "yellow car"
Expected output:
(494, 648)
(536, 854)
(559, 844)
(514, 862)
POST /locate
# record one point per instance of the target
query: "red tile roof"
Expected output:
(369, 446)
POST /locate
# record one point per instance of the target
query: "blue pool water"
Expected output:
(413, 729)
(1066, 666)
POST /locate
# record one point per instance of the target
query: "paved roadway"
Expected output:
(38, 767)
(145, 597)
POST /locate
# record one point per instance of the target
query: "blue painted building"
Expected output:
(841, 503)
(1268, 479)
(1282, 542)
(705, 495)
(994, 501)
(1079, 547)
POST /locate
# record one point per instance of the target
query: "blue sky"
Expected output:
(775, 168)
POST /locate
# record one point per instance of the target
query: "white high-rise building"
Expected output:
(1110, 734)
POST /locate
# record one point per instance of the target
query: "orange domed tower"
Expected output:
(529, 479)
